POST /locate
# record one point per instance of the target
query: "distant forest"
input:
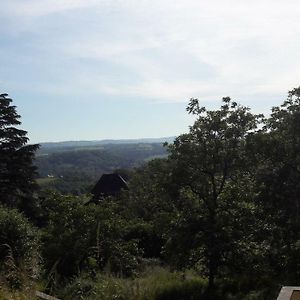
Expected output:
(74, 168)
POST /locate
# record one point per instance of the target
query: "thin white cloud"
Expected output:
(156, 46)
(38, 8)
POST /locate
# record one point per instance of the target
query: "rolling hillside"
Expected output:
(75, 168)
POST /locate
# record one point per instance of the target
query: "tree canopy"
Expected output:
(16, 158)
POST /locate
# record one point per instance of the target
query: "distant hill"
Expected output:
(51, 147)
(74, 166)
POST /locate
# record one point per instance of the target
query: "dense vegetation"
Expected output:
(218, 218)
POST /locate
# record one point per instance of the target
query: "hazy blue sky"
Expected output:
(94, 69)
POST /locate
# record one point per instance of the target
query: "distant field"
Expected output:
(156, 156)
(45, 180)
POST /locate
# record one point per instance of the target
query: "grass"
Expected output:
(154, 284)
(6, 294)
(45, 180)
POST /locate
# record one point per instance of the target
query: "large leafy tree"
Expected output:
(16, 158)
(210, 163)
(278, 177)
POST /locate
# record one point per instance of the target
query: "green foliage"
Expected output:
(275, 152)
(66, 234)
(78, 237)
(248, 287)
(16, 169)
(209, 159)
(149, 202)
(19, 247)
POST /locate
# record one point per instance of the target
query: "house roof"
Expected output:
(109, 185)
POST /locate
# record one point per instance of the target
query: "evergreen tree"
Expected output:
(16, 168)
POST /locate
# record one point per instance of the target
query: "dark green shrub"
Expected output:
(67, 234)
(80, 238)
(80, 288)
(17, 236)
(248, 288)
(19, 245)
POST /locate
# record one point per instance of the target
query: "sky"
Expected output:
(98, 69)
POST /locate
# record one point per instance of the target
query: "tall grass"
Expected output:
(7, 294)
(154, 284)
(15, 281)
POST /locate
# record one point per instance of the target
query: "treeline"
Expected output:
(216, 219)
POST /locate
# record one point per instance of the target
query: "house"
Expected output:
(108, 185)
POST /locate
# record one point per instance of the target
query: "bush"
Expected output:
(248, 288)
(78, 238)
(19, 245)
(66, 235)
